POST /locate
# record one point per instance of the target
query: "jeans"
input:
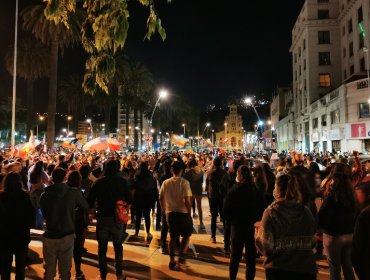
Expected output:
(140, 211)
(338, 252)
(107, 227)
(276, 274)
(6, 259)
(78, 249)
(215, 204)
(240, 239)
(164, 231)
(58, 251)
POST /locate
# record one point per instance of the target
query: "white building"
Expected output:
(330, 88)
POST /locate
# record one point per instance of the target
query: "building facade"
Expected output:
(232, 136)
(330, 110)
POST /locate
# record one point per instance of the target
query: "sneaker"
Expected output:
(149, 236)
(195, 215)
(201, 226)
(121, 277)
(79, 275)
(173, 265)
(213, 239)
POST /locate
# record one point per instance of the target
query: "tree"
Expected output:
(137, 92)
(104, 32)
(71, 94)
(32, 64)
(57, 36)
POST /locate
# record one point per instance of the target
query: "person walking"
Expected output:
(286, 234)
(195, 176)
(361, 241)
(244, 206)
(175, 198)
(337, 219)
(74, 179)
(145, 193)
(104, 194)
(58, 204)
(16, 219)
(214, 190)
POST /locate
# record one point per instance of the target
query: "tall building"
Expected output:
(232, 136)
(330, 85)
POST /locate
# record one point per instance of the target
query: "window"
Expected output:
(335, 144)
(304, 64)
(324, 58)
(343, 30)
(363, 109)
(351, 69)
(362, 65)
(295, 58)
(350, 49)
(299, 51)
(325, 80)
(335, 116)
(300, 72)
(315, 123)
(304, 44)
(295, 75)
(323, 14)
(324, 37)
(361, 43)
(344, 52)
(360, 16)
(345, 74)
(323, 120)
(350, 27)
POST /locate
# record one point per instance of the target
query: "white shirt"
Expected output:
(174, 190)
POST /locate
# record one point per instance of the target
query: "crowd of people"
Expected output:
(292, 210)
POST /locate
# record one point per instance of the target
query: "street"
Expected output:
(144, 260)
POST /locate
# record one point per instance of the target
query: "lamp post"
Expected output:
(204, 130)
(68, 119)
(162, 94)
(41, 118)
(184, 125)
(91, 128)
(225, 124)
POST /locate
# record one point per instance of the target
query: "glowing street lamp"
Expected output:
(162, 94)
(91, 128)
(41, 118)
(184, 125)
(68, 119)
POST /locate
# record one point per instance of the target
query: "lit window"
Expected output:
(325, 80)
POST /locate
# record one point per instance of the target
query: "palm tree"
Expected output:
(57, 37)
(32, 64)
(137, 91)
(72, 95)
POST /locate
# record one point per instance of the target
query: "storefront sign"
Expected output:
(358, 130)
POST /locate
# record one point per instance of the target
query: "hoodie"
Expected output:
(286, 237)
(58, 204)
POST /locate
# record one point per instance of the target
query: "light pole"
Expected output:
(204, 130)
(41, 118)
(91, 128)
(162, 94)
(184, 125)
(68, 119)
(213, 132)
(248, 101)
(225, 124)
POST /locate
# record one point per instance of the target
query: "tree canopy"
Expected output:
(103, 32)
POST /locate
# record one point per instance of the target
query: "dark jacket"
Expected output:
(145, 190)
(105, 192)
(214, 182)
(361, 245)
(286, 237)
(244, 205)
(334, 218)
(195, 178)
(16, 218)
(58, 204)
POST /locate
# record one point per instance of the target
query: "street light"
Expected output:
(41, 118)
(91, 128)
(248, 101)
(184, 125)
(225, 124)
(162, 94)
(68, 119)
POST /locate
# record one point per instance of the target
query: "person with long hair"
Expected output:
(243, 207)
(74, 179)
(145, 192)
(286, 234)
(16, 219)
(337, 219)
(361, 241)
(38, 180)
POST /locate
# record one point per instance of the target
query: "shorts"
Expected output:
(180, 224)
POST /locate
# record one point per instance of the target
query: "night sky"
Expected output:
(214, 49)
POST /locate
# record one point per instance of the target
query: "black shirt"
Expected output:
(106, 191)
